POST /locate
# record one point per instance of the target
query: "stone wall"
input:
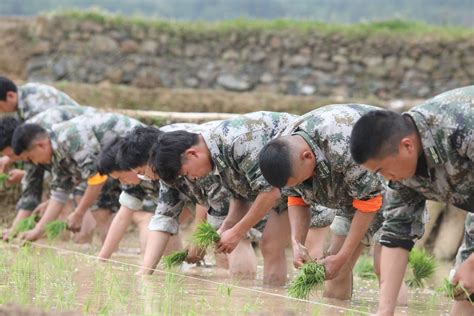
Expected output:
(289, 62)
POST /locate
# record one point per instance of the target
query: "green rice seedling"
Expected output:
(205, 235)
(364, 268)
(174, 259)
(24, 225)
(422, 267)
(450, 289)
(310, 276)
(3, 179)
(54, 229)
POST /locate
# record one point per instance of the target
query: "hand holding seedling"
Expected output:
(229, 240)
(300, 255)
(74, 221)
(333, 265)
(31, 235)
(465, 276)
(195, 254)
(15, 176)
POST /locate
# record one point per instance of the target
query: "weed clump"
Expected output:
(205, 235)
(365, 268)
(174, 259)
(310, 276)
(3, 179)
(54, 229)
(422, 266)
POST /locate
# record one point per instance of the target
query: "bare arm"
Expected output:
(52, 211)
(90, 195)
(156, 244)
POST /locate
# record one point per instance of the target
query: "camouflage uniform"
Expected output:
(34, 98)
(339, 180)
(140, 197)
(234, 146)
(444, 171)
(173, 197)
(321, 216)
(32, 181)
(76, 145)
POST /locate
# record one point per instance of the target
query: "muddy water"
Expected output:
(59, 280)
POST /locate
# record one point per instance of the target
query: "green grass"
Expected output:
(3, 179)
(205, 235)
(422, 267)
(450, 289)
(174, 259)
(192, 28)
(309, 278)
(54, 228)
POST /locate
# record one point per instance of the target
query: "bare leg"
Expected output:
(86, 234)
(315, 241)
(462, 308)
(116, 232)
(103, 218)
(276, 237)
(243, 261)
(142, 219)
(174, 244)
(341, 286)
(402, 299)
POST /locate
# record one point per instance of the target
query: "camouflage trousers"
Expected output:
(109, 196)
(342, 224)
(467, 247)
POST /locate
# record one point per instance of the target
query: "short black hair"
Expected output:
(8, 124)
(6, 85)
(275, 162)
(135, 147)
(377, 134)
(165, 156)
(25, 135)
(107, 160)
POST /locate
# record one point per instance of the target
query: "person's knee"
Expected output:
(272, 248)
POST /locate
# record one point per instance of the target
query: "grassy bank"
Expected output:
(386, 28)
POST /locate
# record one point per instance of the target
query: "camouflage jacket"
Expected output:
(234, 145)
(76, 145)
(338, 179)
(34, 98)
(140, 196)
(206, 191)
(32, 181)
(446, 127)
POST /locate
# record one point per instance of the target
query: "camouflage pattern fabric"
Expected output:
(34, 98)
(32, 181)
(76, 145)
(446, 127)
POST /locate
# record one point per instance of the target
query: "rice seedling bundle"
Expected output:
(422, 267)
(205, 235)
(310, 277)
(174, 259)
(55, 228)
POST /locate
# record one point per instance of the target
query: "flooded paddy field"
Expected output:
(63, 276)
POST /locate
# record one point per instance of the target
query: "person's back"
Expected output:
(34, 98)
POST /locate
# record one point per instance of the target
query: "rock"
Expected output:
(407, 62)
(276, 42)
(114, 75)
(103, 44)
(323, 65)
(266, 78)
(299, 61)
(92, 27)
(427, 63)
(258, 56)
(450, 234)
(191, 82)
(63, 67)
(149, 47)
(233, 83)
(147, 78)
(373, 61)
(230, 55)
(42, 48)
(307, 90)
(129, 46)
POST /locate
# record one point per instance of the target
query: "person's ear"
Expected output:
(307, 155)
(407, 144)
